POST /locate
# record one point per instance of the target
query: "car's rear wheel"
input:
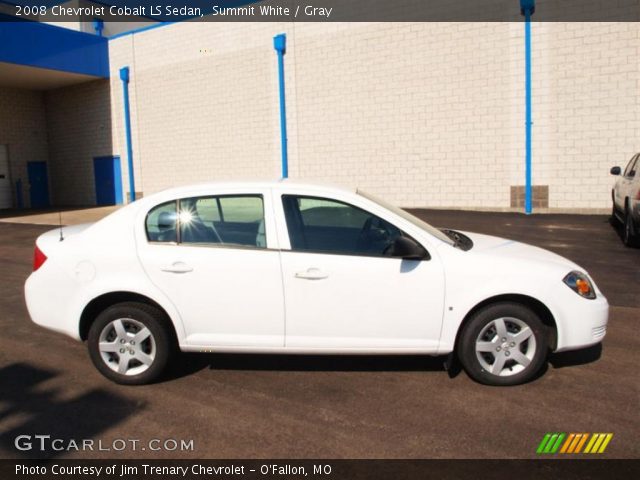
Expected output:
(129, 344)
(503, 344)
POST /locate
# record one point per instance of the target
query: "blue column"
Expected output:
(124, 76)
(280, 45)
(527, 8)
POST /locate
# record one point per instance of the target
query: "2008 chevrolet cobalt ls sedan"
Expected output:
(284, 267)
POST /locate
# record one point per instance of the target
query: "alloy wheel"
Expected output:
(127, 346)
(505, 346)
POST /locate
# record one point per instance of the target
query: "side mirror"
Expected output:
(407, 249)
(616, 171)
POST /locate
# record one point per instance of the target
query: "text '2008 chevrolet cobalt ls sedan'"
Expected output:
(285, 267)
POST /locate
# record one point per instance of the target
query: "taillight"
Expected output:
(38, 258)
(638, 195)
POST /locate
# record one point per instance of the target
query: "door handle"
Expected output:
(312, 274)
(177, 267)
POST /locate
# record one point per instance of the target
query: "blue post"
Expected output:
(527, 7)
(280, 45)
(124, 76)
(98, 26)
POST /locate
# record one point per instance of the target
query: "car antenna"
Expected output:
(60, 221)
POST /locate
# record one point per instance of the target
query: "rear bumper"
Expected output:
(48, 297)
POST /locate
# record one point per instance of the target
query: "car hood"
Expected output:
(510, 250)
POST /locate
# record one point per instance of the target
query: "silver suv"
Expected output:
(626, 200)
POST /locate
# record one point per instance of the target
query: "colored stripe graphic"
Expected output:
(583, 439)
(550, 443)
(573, 443)
(598, 442)
(607, 439)
(567, 442)
(543, 443)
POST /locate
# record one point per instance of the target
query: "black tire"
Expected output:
(629, 234)
(614, 217)
(132, 315)
(514, 316)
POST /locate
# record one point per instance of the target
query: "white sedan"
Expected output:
(286, 267)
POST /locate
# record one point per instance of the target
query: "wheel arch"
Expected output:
(104, 301)
(533, 303)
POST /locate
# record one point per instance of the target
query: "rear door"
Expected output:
(212, 256)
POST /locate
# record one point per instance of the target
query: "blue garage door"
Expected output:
(38, 184)
(108, 180)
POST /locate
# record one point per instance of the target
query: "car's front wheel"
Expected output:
(129, 344)
(503, 344)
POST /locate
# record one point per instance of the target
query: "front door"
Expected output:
(209, 255)
(38, 184)
(343, 292)
(108, 180)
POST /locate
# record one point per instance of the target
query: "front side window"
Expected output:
(222, 220)
(235, 220)
(330, 226)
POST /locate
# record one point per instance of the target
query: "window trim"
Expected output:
(349, 254)
(180, 243)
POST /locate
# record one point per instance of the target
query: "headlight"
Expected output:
(580, 283)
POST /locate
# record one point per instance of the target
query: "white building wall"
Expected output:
(79, 126)
(23, 129)
(586, 108)
(427, 115)
(203, 101)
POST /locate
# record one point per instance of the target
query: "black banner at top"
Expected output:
(324, 10)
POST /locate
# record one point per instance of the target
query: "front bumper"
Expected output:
(581, 322)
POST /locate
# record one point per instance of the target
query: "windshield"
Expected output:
(407, 216)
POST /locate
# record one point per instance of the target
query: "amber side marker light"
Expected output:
(580, 283)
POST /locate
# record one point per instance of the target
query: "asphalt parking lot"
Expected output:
(246, 406)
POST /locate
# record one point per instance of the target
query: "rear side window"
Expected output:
(161, 223)
(222, 220)
(233, 219)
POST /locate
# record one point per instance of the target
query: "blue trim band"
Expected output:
(46, 46)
